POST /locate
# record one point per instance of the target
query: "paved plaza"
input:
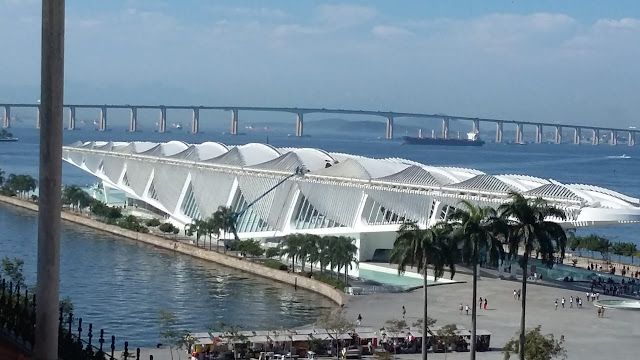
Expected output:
(587, 336)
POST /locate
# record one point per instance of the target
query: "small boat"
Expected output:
(7, 136)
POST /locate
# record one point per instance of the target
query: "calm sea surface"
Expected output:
(120, 285)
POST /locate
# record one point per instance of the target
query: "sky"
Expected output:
(575, 62)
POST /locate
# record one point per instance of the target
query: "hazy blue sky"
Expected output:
(570, 61)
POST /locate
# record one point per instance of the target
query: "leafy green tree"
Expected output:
(336, 325)
(13, 270)
(153, 222)
(21, 184)
(448, 335)
(272, 252)
(250, 247)
(536, 346)
(531, 228)
(420, 248)
(132, 223)
(345, 253)
(167, 228)
(618, 248)
(575, 242)
(232, 334)
(477, 228)
(395, 327)
(75, 197)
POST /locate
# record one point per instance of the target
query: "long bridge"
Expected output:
(299, 113)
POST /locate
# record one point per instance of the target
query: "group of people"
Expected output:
(578, 302)
(516, 294)
(482, 303)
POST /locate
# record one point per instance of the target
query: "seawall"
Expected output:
(226, 260)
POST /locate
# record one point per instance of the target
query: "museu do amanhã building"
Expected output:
(338, 194)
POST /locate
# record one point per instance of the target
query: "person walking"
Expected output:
(556, 304)
(466, 308)
(515, 294)
(404, 311)
(359, 321)
(480, 302)
(485, 303)
(460, 308)
(571, 301)
(562, 301)
(519, 293)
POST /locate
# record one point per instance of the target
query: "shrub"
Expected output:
(275, 264)
(336, 283)
(152, 222)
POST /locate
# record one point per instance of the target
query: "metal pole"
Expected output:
(50, 180)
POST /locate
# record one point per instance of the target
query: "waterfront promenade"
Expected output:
(587, 336)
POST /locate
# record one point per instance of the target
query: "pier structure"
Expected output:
(299, 113)
(72, 118)
(576, 135)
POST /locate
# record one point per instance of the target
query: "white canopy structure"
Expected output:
(339, 194)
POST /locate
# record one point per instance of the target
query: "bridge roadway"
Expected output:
(299, 112)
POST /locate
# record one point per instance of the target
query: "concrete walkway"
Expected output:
(587, 336)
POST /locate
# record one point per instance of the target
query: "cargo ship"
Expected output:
(472, 140)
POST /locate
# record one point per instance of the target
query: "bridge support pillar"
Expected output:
(389, 134)
(103, 118)
(234, 122)
(162, 124)
(7, 117)
(476, 126)
(538, 134)
(299, 124)
(38, 117)
(72, 118)
(445, 128)
(595, 137)
(558, 134)
(632, 139)
(614, 138)
(133, 120)
(195, 121)
(519, 137)
(499, 131)
(576, 135)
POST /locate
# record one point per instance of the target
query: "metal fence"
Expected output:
(18, 318)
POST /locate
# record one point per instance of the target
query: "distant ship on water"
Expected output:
(472, 140)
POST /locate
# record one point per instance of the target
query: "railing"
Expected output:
(18, 318)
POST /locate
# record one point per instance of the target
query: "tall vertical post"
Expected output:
(299, 124)
(558, 134)
(234, 122)
(133, 120)
(389, 134)
(519, 136)
(498, 131)
(50, 180)
(614, 137)
(7, 117)
(162, 124)
(103, 118)
(476, 126)
(72, 118)
(632, 138)
(595, 137)
(195, 121)
(576, 135)
(445, 128)
(538, 134)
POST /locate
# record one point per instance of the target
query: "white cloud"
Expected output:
(295, 29)
(341, 16)
(625, 23)
(246, 11)
(389, 31)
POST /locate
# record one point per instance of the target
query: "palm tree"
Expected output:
(197, 226)
(310, 250)
(324, 251)
(531, 230)
(290, 247)
(345, 255)
(477, 228)
(417, 247)
(223, 220)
